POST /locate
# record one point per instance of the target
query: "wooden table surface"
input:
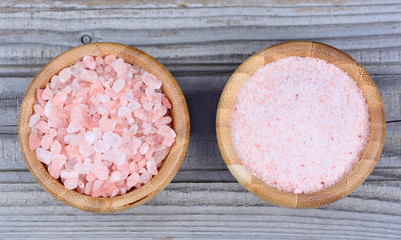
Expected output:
(201, 43)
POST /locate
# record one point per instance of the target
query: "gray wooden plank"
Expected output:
(227, 49)
(201, 43)
(198, 38)
(214, 209)
(105, 4)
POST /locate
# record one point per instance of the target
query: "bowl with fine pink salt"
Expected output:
(104, 127)
(300, 124)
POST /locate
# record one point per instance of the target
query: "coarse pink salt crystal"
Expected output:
(119, 67)
(95, 126)
(151, 81)
(118, 176)
(88, 75)
(166, 131)
(74, 126)
(140, 114)
(71, 183)
(60, 98)
(147, 106)
(34, 141)
(142, 163)
(86, 150)
(151, 166)
(55, 83)
(101, 146)
(38, 110)
(69, 174)
(300, 124)
(144, 148)
(90, 177)
(112, 139)
(118, 85)
(54, 172)
(99, 60)
(161, 154)
(47, 93)
(145, 177)
(109, 59)
(122, 111)
(33, 120)
(89, 62)
(133, 105)
(79, 168)
(90, 137)
(53, 132)
(102, 98)
(162, 121)
(65, 75)
(55, 147)
(133, 167)
(58, 160)
(115, 156)
(46, 141)
(168, 142)
(88, 188)
(132, 180)
(100, 171)
(43, 155)
(166, 102)
(43, 126)
(107, 124)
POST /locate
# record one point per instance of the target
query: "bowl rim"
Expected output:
(171, 164)
(362, 168)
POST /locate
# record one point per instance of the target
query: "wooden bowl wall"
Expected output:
(171, 164)
(360, 171)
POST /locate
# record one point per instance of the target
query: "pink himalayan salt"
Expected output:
(47, 141)
(65, 75)
(55, 147)
(47, 94)
(300, 124)
(34, 141)
(33, 120)
(102, 126)
(39, 110)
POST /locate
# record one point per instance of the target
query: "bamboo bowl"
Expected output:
(360, 171)
(171, 164)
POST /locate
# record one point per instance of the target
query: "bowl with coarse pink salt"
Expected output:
(300, 124)
(104, 127)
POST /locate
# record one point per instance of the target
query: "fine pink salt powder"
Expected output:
(102, 126)
(300, 124)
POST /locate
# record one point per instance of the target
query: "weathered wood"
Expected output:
(199, 36)
(213, 210)
(201, 43)
(105, 4)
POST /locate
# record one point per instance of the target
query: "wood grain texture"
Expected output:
(201, 43)
(170, 166)
(214, 210)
